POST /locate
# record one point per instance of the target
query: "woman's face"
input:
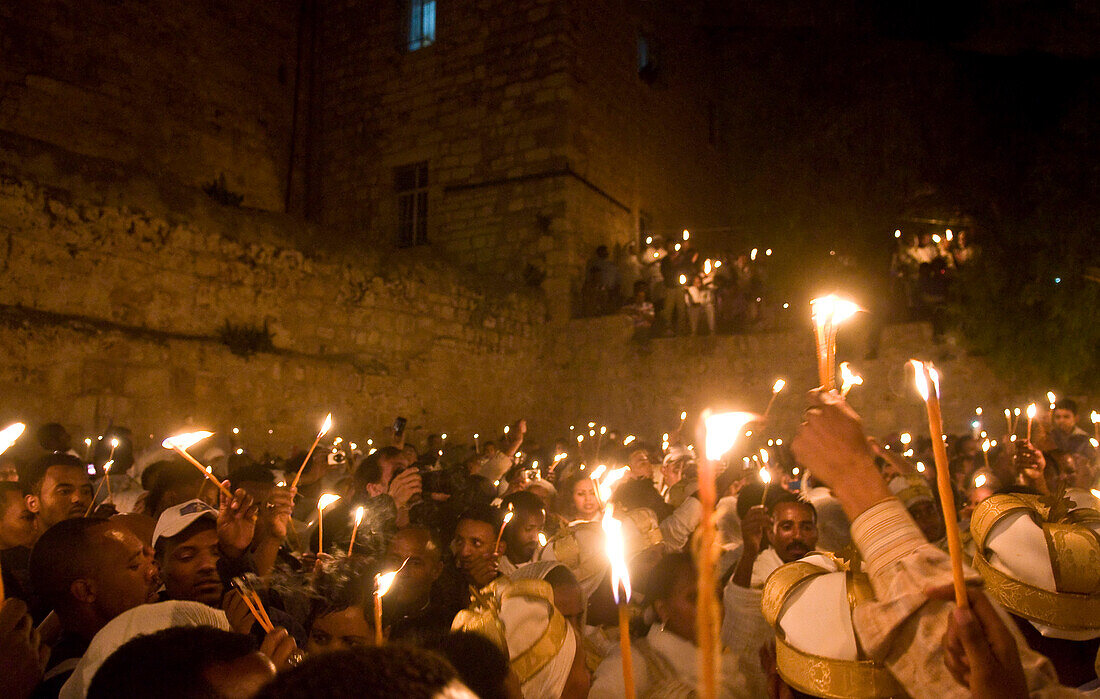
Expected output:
(584, 499)
(677, 613)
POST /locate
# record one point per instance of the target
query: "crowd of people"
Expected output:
(669, 288)
(924, 267)
(450, 570)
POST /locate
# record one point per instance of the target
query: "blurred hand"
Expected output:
(978, 649)
(239, 615)
(22, 653)
(482, 571)
(280, 646)
(756, 522)
(274, 517)
(521, 426)
(1031, 465)
(831, 444)
(236, 522)
(405, 486)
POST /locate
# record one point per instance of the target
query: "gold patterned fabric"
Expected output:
(814, 674)
(1074, 553)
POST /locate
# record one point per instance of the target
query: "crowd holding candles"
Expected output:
(616, 566)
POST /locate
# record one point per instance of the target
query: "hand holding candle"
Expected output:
(928, 385)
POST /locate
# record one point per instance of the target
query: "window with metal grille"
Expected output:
(411, 185)
(421, 24)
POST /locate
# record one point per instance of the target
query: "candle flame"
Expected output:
(384, 581)
(629, 438)
(325, 426)
(1031, 409)
(608, 482)
(1016, 412)
(848, 378)
(185, 440)
(114, 442)
(765, 476)
(683, 415)
(599, 471)
(603, 430)
(978, 410)
(359, 515)
(1095, 417)
(542, 539)
(9, 434)
(985, 446)
(326, 500)
(683, 279)
(764, 456)
(979, 480)
(107, 466)
(1051, 398)
(778, 385)
(615, 546)
(722, 432)
(832, 309)
(920, 370)
(920, 467)
(906, 438)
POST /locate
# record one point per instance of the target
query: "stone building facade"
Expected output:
(199, 216)
(546, 128)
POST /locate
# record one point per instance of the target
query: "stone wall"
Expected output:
(191, 91)
(630, 386)
(113, 313)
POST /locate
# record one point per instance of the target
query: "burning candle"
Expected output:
(722, 432)
(979, 480)
(323, 502)
(507, 518)
(542, 539)
(325, 427)
(985, 452)
(382, 584)
(928, 385)
(1052, 399)
(776, 388)
(848, 378)
(620, 576)
(1008, 421)
(106, 475)
(477, 444)
(1096, 423)
(10, 434)
(629, 438)
(827, 313)
(355, 528)
(1015, 419)
(766, 479)
(1031, 410)
(181, 442)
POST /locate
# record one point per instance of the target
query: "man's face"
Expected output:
(1064, 420)
(928, 519)
(16, 521)
(640, 465)
(522, 535)
(672, 472)
(190, 569)
(473, 540)
(66, 493)
(794, 533)
(422, 566)
(125, 575)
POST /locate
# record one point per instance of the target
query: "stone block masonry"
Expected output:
(113, 314)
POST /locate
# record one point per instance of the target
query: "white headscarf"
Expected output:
(139, 621)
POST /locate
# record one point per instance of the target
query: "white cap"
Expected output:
(179, 517)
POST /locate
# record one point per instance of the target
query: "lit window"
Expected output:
(411, 185)
(421, 24)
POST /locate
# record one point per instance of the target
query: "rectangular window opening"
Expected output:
(411, 186)
(421, 24)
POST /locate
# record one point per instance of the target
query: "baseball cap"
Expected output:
(179, 517)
